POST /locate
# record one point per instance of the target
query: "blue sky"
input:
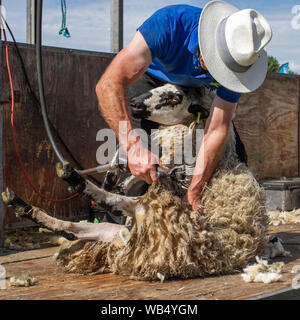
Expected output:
(89, 23)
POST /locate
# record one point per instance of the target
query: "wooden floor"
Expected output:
(54, 284)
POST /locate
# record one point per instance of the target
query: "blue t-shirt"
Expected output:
(172, 36)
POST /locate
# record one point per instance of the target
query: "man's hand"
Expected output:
(142, 163)
(193, 196)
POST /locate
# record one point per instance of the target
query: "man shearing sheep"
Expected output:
(219, 47)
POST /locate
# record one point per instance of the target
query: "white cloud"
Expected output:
(295, 66)
(285, 42)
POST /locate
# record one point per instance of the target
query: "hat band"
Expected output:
(224, 50)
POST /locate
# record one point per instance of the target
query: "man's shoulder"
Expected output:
(177, 10)
(174, 18)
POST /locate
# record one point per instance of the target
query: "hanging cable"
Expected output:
(64, 30)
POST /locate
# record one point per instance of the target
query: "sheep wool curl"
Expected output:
(284, 217)
(169, 240)
(24, 280)
(263, 272)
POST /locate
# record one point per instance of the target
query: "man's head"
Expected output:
(232, 43)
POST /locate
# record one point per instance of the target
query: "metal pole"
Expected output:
(31, 12)
(116, 25)
(0, 28)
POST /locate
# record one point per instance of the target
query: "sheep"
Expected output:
(168, 238)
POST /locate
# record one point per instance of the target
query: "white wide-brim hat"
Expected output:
(231, 43)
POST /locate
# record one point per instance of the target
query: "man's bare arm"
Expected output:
(127, 67)
(212, 147)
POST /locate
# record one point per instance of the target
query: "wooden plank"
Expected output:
(267, 120)
(70, 77)
(12, 257)
(284, 294)
(54, 284)
(288, 233)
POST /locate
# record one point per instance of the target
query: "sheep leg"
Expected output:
(70, 230)
(107, 200)
(111, 201)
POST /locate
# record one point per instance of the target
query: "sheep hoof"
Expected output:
(20, 206)
(8, 196)
(66, 172)
(63, 170)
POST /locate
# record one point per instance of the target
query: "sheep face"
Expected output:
(166, 105)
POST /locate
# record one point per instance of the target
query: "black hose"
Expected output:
(40, 79)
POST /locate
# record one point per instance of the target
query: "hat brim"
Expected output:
(242, 82)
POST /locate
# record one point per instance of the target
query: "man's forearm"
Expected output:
(126, 68)
(114, 108)
(211, 150)
(209, 155)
